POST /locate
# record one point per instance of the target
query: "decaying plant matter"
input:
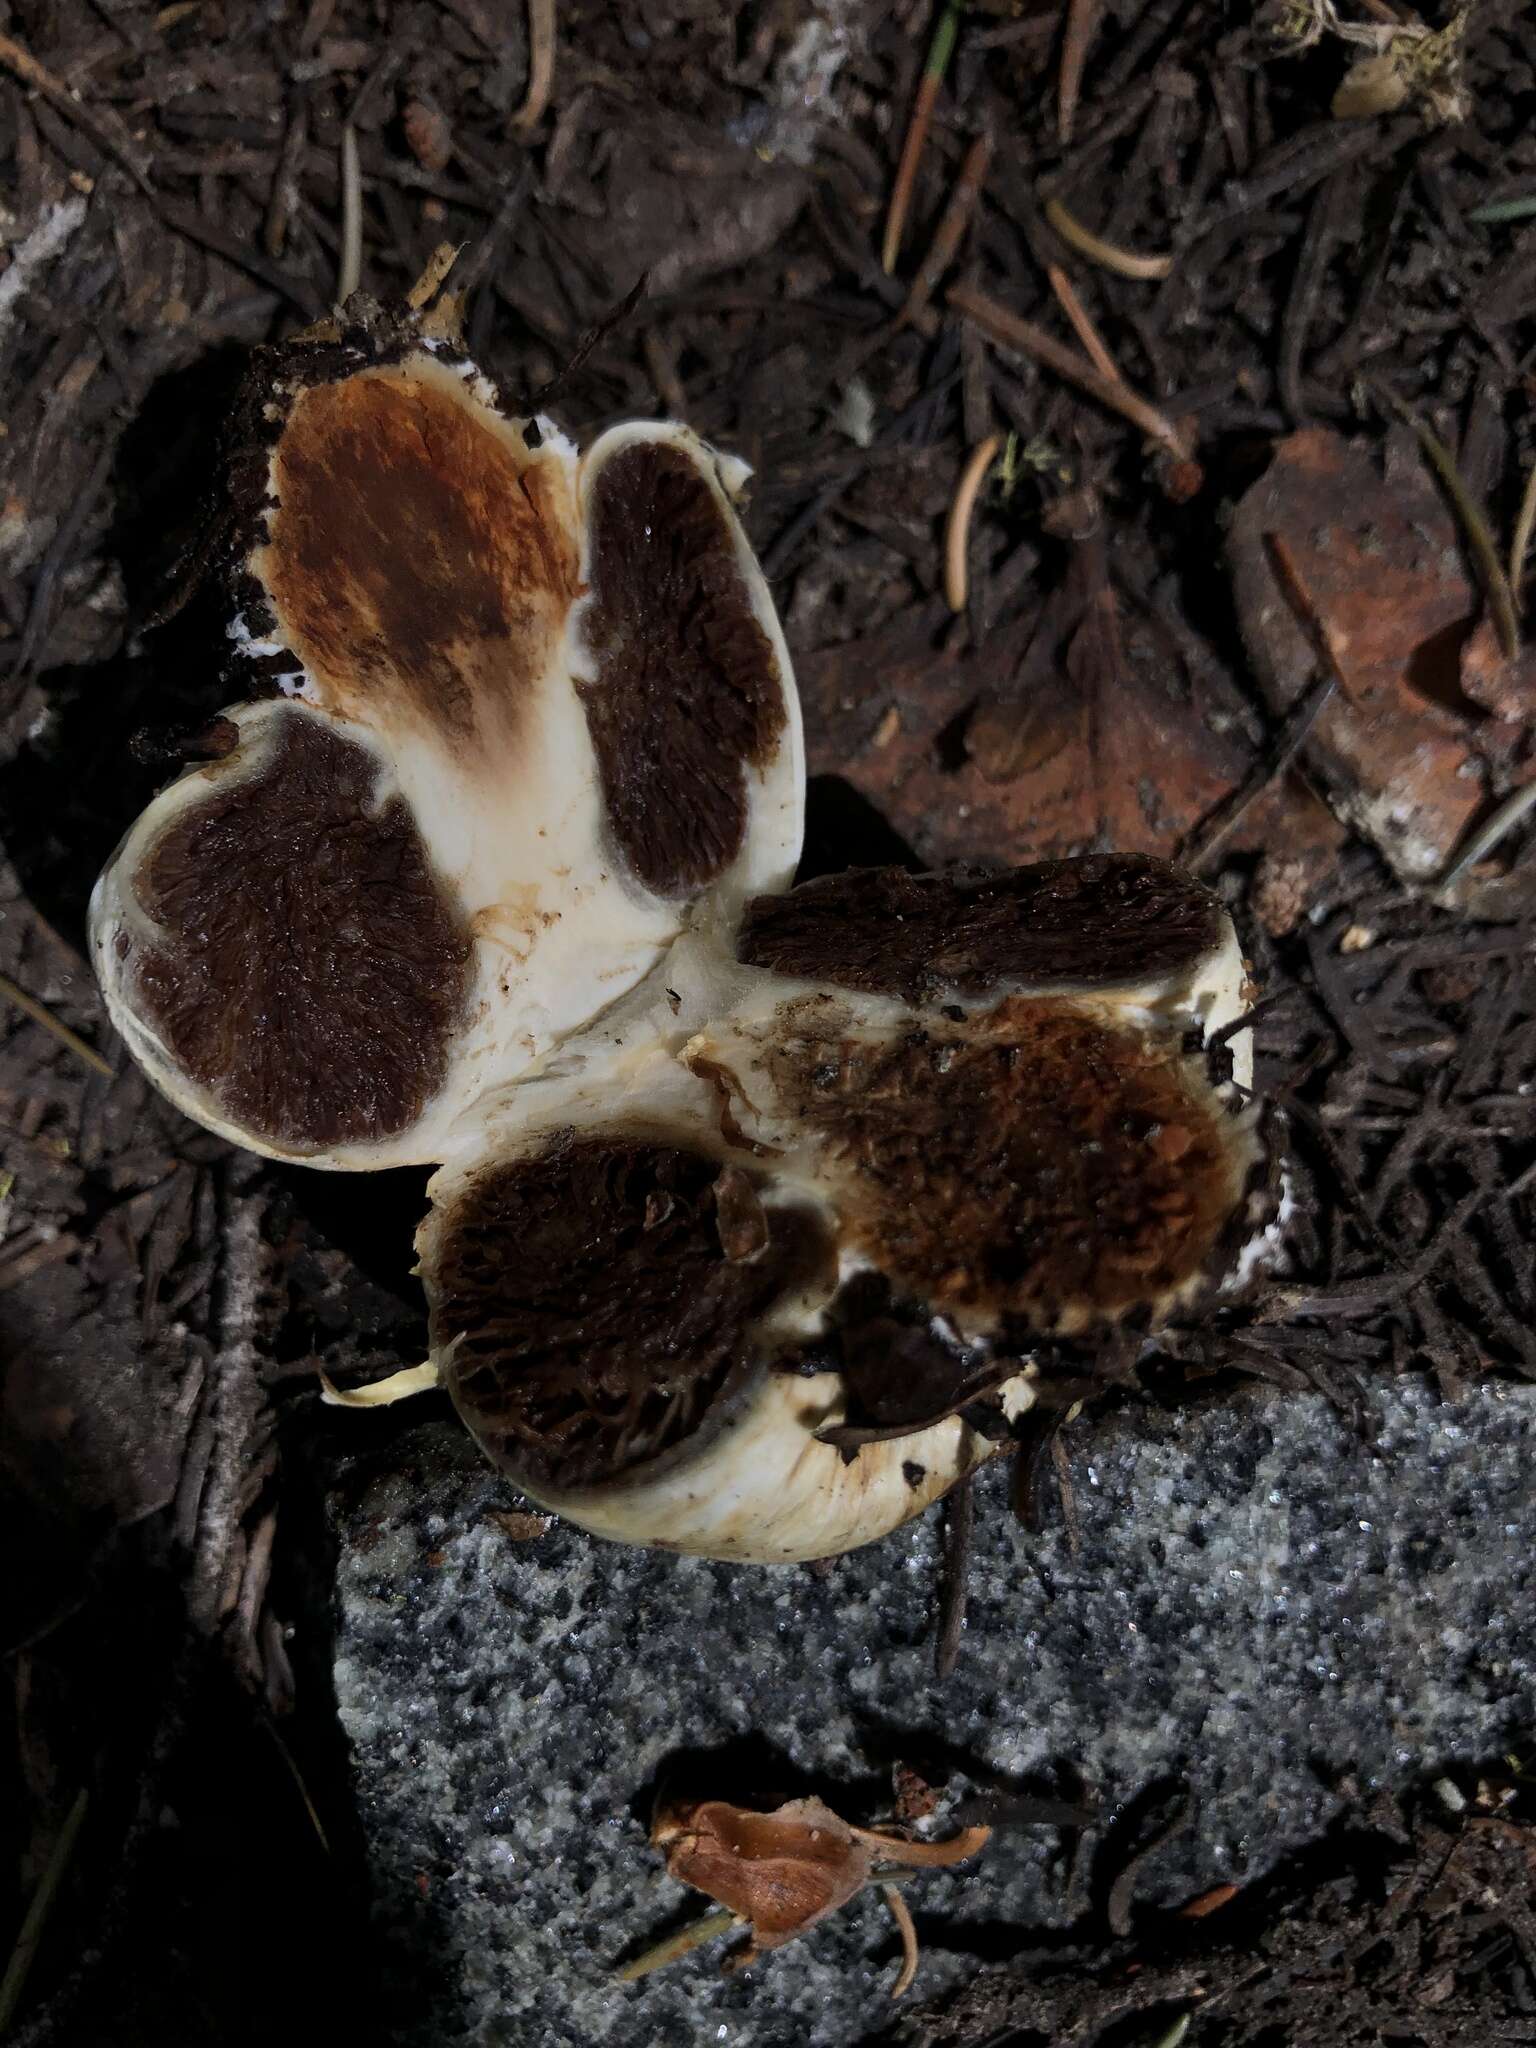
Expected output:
(757, 1213)
(780, 1874)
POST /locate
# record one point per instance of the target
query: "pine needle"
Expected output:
(1082, 20)
(349, 270)
(1503, 820)
(1485, 556)
(901, 1913)
(13, 992)
(1520, 546)
(940, 50)
(1108, 255)
(31, 1935)
(958, 530)
(683, 1943)
(1082, 324)
(541, 65)
(1005, 327)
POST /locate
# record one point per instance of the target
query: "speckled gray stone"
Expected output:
(1260, 1603)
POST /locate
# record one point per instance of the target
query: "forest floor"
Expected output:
(1247, 593)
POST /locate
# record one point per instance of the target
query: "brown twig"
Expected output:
(1519, 547)
(1063, 1464)
(662, 366)
(902, 1915)
(12, 992)
(186, 220)
(1082, 324)
(541, 66)
(349, 268)
(1007, 328)
(939, 52)
(1123, 1890)
(957, 531)
(960, 1521)
(438, 265)
(950, 230)
(1218, 824)
(1503, 820)
(32, 1927)
(20, 62)
(1108, 255)
(1082, 20)
(32, 1258)
(682, 1943)
(284, 192)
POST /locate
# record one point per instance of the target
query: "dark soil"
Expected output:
(172, 195)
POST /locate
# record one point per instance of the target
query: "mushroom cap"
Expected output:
(531, 708)
(766, 1261)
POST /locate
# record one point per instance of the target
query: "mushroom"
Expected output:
(521, 710)
(759, 1216)
(768, 1259)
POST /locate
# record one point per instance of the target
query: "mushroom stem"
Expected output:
(767, 1492)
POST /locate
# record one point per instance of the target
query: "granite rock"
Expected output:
(1259, 1603)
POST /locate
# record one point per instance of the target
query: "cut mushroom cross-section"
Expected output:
(767, 1263)
(758, 1215)
(530, 709)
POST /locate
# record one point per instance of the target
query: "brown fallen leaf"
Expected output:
(1085, 729)
(783, 1872)
(1424, 721)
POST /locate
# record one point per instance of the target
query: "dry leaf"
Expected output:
(1403, 752)
(1083, 733)
(784, 1871)
(780, 1871)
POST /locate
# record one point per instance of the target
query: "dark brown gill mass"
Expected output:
(1108, 918)
(418, 568)
(594, 1303)
(688, 693)
(309, 972)
(1040, 1170)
